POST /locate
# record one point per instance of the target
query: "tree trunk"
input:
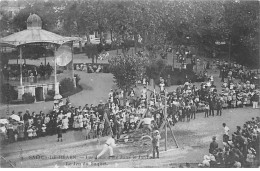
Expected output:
(152, 83)
(124, 96)
(93, 60)
(144, 40)
(88, 38)
(135, 40)
(80, 46)
(100, 36)
(111, 35)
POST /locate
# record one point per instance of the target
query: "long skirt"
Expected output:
(59, 131)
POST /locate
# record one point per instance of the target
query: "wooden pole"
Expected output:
(196, 64)
(165, 117)
(172, 60)
(21, 69)
(172, 134)
(72, 63)
(146, 94)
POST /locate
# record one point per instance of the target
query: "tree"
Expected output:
(155, 69)
(243, 27)
(127, 70)
(45, 10)
(4, 23)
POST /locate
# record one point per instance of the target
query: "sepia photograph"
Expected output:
(130, 83)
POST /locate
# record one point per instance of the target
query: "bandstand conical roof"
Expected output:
(33, 34)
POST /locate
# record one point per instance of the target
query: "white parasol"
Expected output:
(4, 121)
(15, 117)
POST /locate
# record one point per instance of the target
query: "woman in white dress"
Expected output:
(84, 120)
(80, 118)
(76, 121)
(65, 123)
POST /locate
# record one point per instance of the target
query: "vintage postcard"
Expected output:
(129, 84)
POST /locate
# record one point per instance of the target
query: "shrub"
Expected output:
(59, 71)
(28, 98)
(66, 85)
(106, 69)
(8, 93)
(107, 47)
(50, 94)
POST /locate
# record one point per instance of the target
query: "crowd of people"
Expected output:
(123, 116)
(240, 150)
(234, 70)
(28, 71)
(89, 68)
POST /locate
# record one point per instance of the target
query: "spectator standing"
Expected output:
(211, 106)
(219, 107)
(59, 130)
(226, 132)
(206, 110)
(156, 143)
(193, 110)
(255, 99)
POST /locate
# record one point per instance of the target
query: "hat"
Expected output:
(156, 131)
(237, 164)
(214, 138)
(212, 158)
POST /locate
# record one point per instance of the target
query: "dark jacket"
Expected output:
(213, 146)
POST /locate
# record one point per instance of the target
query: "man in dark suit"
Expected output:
(213, 145)
(211, 106)
(219, 107)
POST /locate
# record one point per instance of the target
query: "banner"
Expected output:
(63, 55)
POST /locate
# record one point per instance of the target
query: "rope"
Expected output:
(8, 161)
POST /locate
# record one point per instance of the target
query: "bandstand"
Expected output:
(34, 36)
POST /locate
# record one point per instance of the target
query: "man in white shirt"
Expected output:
(226, 132)
(110, 143)
(147, 123)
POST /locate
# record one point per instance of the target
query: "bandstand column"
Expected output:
(56, 85)
(21, 69)
(72, 69)
(21, 87)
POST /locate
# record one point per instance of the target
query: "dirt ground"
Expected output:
(192, 137)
